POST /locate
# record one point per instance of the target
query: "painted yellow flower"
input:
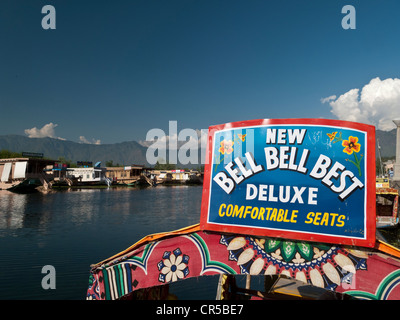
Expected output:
(242, 137)
(351, 145)
(332, 135)
(226, 147)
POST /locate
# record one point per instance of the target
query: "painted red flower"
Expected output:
(351, 145)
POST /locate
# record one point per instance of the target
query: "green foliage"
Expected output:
(110, 163)
(69, 163)
(164, 166)
(6, 154)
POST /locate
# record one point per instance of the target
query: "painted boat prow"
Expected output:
(163, 258)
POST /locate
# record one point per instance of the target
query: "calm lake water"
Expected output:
(73, 229)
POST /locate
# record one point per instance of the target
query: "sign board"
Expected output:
(301, 179)
(60, 166)
(84, 164)
(32, 154)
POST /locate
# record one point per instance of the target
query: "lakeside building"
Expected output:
(178, 176)
(14, 171)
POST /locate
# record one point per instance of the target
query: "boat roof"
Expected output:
(387, 191)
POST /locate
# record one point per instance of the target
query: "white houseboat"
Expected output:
(88, 176)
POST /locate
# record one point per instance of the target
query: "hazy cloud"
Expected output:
(84, 140)
(47, 131)
(327, 99)
(188, 137)
(378, 103)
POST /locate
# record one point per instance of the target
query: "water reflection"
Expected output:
(166, 205)
(71, 229)
(12, 208)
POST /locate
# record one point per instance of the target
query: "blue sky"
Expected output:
(113, 70)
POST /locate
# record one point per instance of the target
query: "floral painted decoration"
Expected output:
(332, 135)
(173, 266)
(318, 264)
(352, 147)
(226, 147)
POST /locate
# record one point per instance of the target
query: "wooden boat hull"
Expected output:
(26, 186)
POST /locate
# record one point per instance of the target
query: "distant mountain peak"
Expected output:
(126, 152)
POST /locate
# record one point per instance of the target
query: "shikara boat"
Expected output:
(320, 246)
(291, 269)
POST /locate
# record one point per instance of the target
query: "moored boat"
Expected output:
(26, 186)
(305, 224)
(387, 207)
(292, 269)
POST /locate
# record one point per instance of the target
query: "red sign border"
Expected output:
(370, 239)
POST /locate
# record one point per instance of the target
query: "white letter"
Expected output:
(296, 134)
(204, 140)
(298, 194)
(312, 194)
(271, 197)
(281, 136)
(245, 172)
(271, 158)
(349, 190)
(224, 182)
(349, 21)
(283, 157)
(250, 196)
(49, 21)
(173, 142)
(192, 145)
(322, 166)
(333, 173)
(271, 136)
(233, 173)
(49, 281)
(160, 145)
(263, 192)
(250, 160)
(304, 157)
(342, 185)
(287, 194)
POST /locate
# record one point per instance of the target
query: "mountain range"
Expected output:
(124, 153)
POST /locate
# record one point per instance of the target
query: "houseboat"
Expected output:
(126, 175)
(88, 176)
(25, 174)
(178, 176)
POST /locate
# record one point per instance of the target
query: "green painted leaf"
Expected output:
(288, 250)
(322, 246)
(272, 245)
(305, 250)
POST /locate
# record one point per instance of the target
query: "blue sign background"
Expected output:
(318, 140)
